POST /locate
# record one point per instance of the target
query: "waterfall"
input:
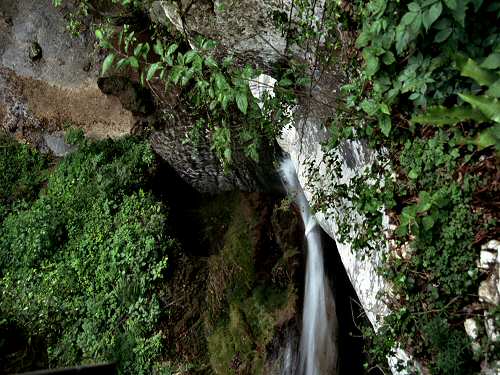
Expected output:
(317, 351)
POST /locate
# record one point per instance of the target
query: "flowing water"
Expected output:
(317, 351)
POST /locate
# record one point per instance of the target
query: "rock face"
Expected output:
(302, 139)
(244, 28)
(197, 164)
(48, 78)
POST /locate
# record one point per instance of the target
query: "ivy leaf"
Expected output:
(385, 124)
(372, 64)
(152, 70)
(432, 14)
(369, 106)
(442, 35)
(242, 101)
(108, 61)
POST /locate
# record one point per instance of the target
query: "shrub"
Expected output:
(81, 264)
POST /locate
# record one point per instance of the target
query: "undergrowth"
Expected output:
(426, 95)
(82, 261)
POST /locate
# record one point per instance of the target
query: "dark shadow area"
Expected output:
(350, 314)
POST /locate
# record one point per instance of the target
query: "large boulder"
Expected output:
(48, 77)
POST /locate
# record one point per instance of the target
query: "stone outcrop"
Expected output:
(48, 78)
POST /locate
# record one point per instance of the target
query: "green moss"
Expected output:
(243, 311)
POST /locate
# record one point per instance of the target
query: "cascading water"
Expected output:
(318, 352)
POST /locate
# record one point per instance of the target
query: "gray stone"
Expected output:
(57, 144)
(58, 88)
(37, 26)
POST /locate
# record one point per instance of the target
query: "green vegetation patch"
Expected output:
(80, 265)
(22, 172)
(427, 95)
(244, 311)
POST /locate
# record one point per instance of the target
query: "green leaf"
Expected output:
(220, 81)
(452, 4)
(489, 137)
(137, 50)
(472, 70)
(385, 124)
(369, 106)
(384, 108)
(413, 174)
(442, 35)
(432, 14)
(176, 73)
(211, 63)
(108, 61)
(491, 62)
(388, 58)
(494, 89)
(189, 56)
(428, 222)
(490, 107)
(152, 70)
(172, 49)
(408, 18)
(99, 34)
(439, 116)
(285, 82)
(121, 63)
(158, 47)
(363, 39)
(414, 7)
(372, 64)
(134, 63)
(424, 202)
(242, 101)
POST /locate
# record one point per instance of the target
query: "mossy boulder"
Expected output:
(247, 304)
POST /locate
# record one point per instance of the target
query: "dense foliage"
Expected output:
(22, 173)
(80, 265)
(427, 93)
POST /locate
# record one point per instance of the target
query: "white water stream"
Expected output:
(317, 352)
